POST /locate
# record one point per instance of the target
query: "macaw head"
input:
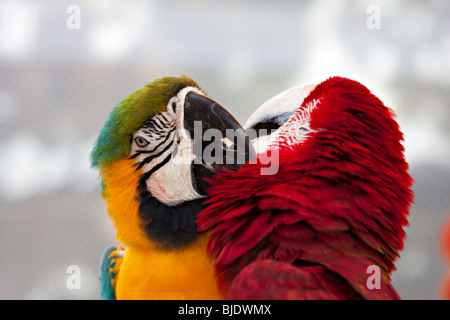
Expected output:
(340, 197)
(339, 108)
(149, 155)
(340, 131)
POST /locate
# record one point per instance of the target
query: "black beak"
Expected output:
(219, 140)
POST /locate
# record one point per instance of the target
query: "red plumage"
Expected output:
(445, 247)
(338, 204)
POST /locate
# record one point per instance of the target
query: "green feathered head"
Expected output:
(114, 140)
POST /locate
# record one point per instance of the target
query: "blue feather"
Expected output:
(107, 291)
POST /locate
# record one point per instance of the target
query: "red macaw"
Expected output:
(327, 222)
(445, 247)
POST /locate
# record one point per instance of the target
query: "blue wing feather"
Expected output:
(107, 290)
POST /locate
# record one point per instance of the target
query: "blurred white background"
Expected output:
(59, 83)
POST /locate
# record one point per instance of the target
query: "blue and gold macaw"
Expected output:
(154, 188)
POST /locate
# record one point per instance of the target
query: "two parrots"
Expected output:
(335, 204)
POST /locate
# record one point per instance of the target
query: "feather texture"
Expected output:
(128, 116)
(445, 247)
(339, 201)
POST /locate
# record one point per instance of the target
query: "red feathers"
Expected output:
(269, 279)
(445, 246)
(338, 204)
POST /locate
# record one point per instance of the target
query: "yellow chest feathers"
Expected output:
(177, 274)
(147, 272)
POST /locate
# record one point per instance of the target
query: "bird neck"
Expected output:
(140, 219)
(170, 227)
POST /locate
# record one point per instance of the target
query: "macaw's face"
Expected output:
(171, 148)
(184, 138)
(335, 109)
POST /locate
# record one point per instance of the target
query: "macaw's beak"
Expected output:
(219, 140)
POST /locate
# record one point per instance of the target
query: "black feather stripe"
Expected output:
(139, 152)
(158, 124)
(150, 158)
(165, 119)
(147, 175)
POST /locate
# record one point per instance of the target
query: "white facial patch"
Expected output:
(284, 102)
(295, 129)
(292, 130)
(171, 183)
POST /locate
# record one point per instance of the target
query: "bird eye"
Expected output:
(265, 128)
(141, 142)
